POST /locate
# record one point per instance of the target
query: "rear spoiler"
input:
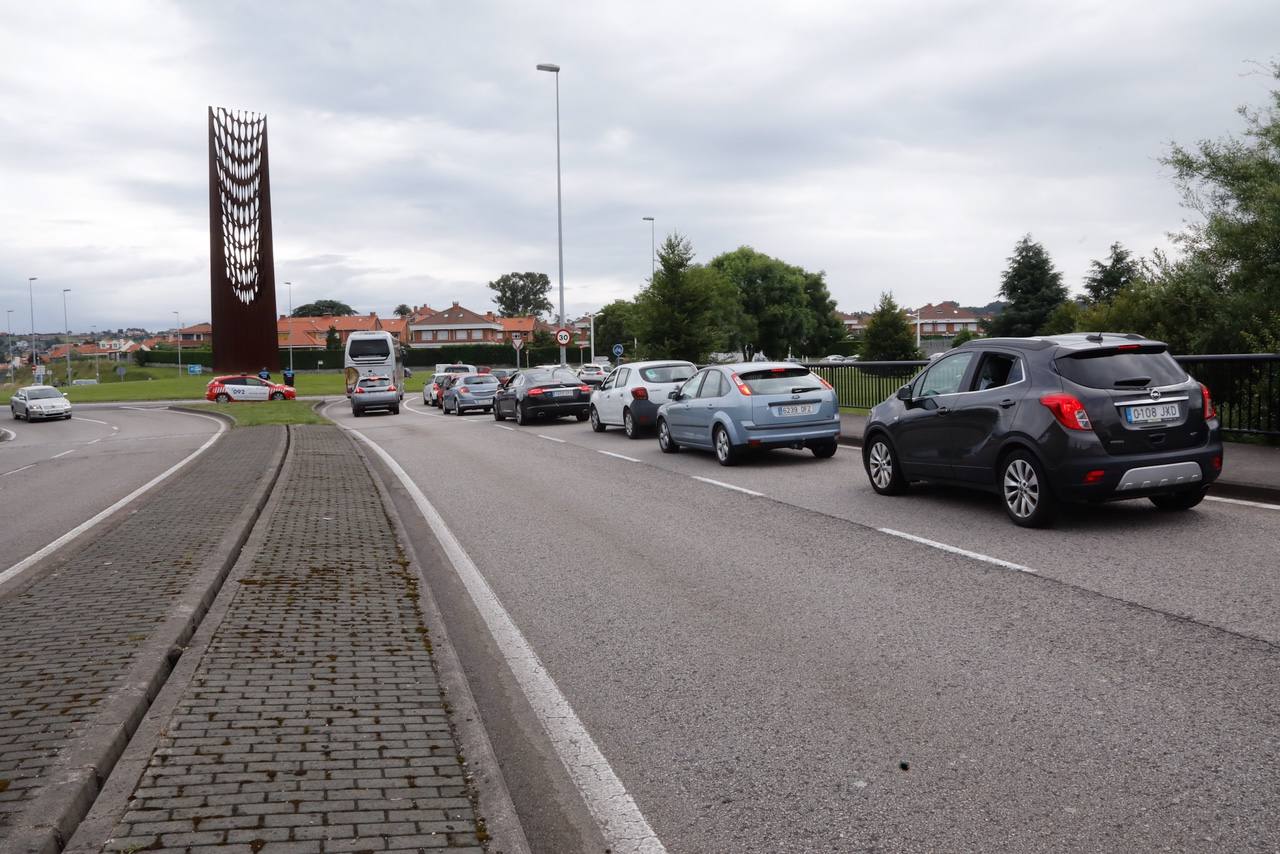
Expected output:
(1116, 349)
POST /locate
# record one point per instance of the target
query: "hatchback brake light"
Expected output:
(359, 390)
(1068, 410)
(825, 383)
(742, 387)
(1209, 410)
(640, 393)
(461, 390)
(393, 388)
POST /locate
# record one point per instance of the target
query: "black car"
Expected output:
(1062, 418)
(542, 394)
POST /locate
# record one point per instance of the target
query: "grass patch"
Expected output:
(255, 413)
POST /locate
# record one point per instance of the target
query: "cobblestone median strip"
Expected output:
(85, 645)
(314, 720)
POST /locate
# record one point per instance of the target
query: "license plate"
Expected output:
(798, 409)
(565, 392)
(1151, 414)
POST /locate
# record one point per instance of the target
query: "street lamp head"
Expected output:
(549, 66)
(32, 278)
(66, 290)
(647, 218)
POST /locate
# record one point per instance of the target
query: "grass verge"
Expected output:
(265, 412)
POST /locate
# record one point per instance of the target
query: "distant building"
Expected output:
(855, 323)
(946, 318)
(453, 325)
(312, 333)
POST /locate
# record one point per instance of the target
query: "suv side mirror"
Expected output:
(904, 394)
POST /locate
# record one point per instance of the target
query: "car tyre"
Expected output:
(497, 413)
(629, 425)
(522, 415)
(596, 424)
(356, 413)
(825, 450)
(582, 416)
(222, 398)
(883, 470)
(726, 453)
(13, 410)
(1024, 491)
(395, 410)
(665, 442)
(277, 395)
(1175, 501)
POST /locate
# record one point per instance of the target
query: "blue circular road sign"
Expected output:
(617, 350)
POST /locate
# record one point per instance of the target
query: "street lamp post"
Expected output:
(179, 319)
(593, 337)
(555, 69)
(290, 325)
(32, 300)
(93, 329)
(8, 348)
(67, 326)
(653, 249)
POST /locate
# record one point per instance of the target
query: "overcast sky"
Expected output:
(896, 146)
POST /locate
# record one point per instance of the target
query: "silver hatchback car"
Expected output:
(730, 409)
(469, 391)
(374, 392)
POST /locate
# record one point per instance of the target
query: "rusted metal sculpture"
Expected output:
(242, 263)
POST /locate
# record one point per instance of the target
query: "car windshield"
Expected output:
(1111, 369)
(666, 373)
(365, 348)
(40, 393)
(780, 381)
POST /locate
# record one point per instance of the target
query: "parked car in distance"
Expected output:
(238, 387)
(503, 374)
(470, 391)
(542, 394)
(630, 396)
(429, 389)
(39, 402)
(455, 368)
(375, 393)
(729, 409)
(592, 373)
(1053, 419)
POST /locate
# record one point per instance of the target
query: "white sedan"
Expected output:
(39, 401)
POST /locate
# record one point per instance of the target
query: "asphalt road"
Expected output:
(784, 671)
(56, 474)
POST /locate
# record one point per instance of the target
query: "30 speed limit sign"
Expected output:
(563, 337)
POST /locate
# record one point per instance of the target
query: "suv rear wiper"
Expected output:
(1132, 381)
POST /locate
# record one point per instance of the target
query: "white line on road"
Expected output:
(728, 486)
(92, 420)
(1242, 502)
(505, 427)
(619, 456)
(550, 438)
(956, 551)
(12, 435)
(94, 442)
(624, 827)
(15, 471)
(63, 454)
(34, 558)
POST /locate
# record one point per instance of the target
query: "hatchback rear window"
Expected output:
(667, 373)
(362, 348)
(1130, 369)
(780, 381)
(481, 379)
(374, 382)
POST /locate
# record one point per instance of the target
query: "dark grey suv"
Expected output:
(1039, 421)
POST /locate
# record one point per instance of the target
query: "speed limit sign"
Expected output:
(563, 337)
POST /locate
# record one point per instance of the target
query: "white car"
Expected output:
(630, 396)
(592, 373)
(39, 402)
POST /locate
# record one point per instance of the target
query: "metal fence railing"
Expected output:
(1245, 386)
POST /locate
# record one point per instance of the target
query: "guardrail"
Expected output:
(1245, 386)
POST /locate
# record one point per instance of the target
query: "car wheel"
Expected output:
(824, 451)
(395, 410)
(1024, 489)
(223, 398)
(726, 453)
(13, 410)
(522, 415)
(596, 424)
(1175, 501)
(67, 416)
(665, 442)
(277, 395)
(582, 416)
(356, 413)
(629, 425)
(497, 413)
(881, 463)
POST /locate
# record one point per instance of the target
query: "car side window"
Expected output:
(995, 370)
(624, 374)
(713, 386)
(608, 382)
(945, 376)
(690, 387)
(233, 381)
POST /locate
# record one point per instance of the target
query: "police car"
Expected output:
(245, 387)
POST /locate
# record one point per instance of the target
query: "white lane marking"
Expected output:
(619, 456)
(550, 438)
(63, 454)
(413, 410)
(505, 427)
(624, 827)
(12, 435)
(32, 559)
(15, 471)
(956, 551)
(728, 486)
(94, 442)
(93, 420)
(1242, 502)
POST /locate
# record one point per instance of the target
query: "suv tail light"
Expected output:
(742, 387)
(1068, 410)
(640, 393)
(1209, 410)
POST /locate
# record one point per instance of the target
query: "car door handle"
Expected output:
(1006, 403)
(942, 410)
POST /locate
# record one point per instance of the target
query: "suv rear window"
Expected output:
(667, 373)
(1110, 369)
(780, 380)
(362, 348)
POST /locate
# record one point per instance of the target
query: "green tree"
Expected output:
(828, 328)
(962, 336)
(402, 310)
(616, 324)
(521, 294)
(332, 341)
(1065, 318)
(682, 313)
(1033, 288)
(1107, 278)
(888, 336)
(777, 313)
(324, 308)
